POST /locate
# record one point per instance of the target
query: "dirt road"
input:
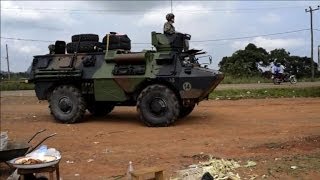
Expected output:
(275, 133)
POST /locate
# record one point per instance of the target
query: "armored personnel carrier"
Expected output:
(164, 84)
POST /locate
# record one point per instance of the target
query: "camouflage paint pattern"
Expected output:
(118, 75)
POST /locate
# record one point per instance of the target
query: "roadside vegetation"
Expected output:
(15, 85)
(234, 94)
(253, 61)
(230, 94)
(256, 79)
(244, 80)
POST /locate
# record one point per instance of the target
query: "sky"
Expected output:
(210, 23)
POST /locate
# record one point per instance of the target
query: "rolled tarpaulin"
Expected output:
(130, 57)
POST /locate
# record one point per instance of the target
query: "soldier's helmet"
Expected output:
(170, 16)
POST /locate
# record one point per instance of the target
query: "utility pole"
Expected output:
(319, 58)
(8, 61)
(171, 6)
(311, 30)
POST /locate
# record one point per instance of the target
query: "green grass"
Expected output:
(15, 85)
(265, 93)
(217, 94)
(308, 79)
(248, 80)
(244, 80)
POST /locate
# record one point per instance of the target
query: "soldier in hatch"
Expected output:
(168, 27)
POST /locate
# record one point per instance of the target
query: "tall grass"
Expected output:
(244, 80)
(15, 85)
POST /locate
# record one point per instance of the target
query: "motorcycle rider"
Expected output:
(278, 70)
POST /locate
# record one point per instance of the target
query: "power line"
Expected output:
(246, 37)
(22, 39)
(142, 10)
(210, 40)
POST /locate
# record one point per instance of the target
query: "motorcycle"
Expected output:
(277, 78)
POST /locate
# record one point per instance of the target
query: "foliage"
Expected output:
(265, 93)
(15, 85)
(13, 76)
(244, 80)
(244, 63)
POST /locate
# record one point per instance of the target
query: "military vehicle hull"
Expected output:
(160, 84)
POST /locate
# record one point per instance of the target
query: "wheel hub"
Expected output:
(65, 104)
(158, 106)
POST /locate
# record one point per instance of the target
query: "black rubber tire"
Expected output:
(116, 39)
(84, 47)
(276, 81)
(125, 46)
(85, 37)
(66, 104)
(100, 108)
(293, 80)
(168, 114)
(185, 111)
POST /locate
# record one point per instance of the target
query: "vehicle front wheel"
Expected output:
(158, 106)
(67, 104)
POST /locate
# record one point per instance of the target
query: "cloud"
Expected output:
(270, 44)
(270, 18)
(127, 6)
(29, 49)
(139, 18)
(21, 54)
(156, 16)
(195, 18)
(15, 14)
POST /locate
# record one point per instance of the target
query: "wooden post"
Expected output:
(8, 62)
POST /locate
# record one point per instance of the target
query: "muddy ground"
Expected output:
(275, 133)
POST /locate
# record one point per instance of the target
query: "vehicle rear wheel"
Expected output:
(100, 108)
(67, 104)
(158, 106)
(186, 110)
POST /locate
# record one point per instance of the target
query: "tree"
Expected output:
(301, 66)
(243, 63)
(279, 56)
